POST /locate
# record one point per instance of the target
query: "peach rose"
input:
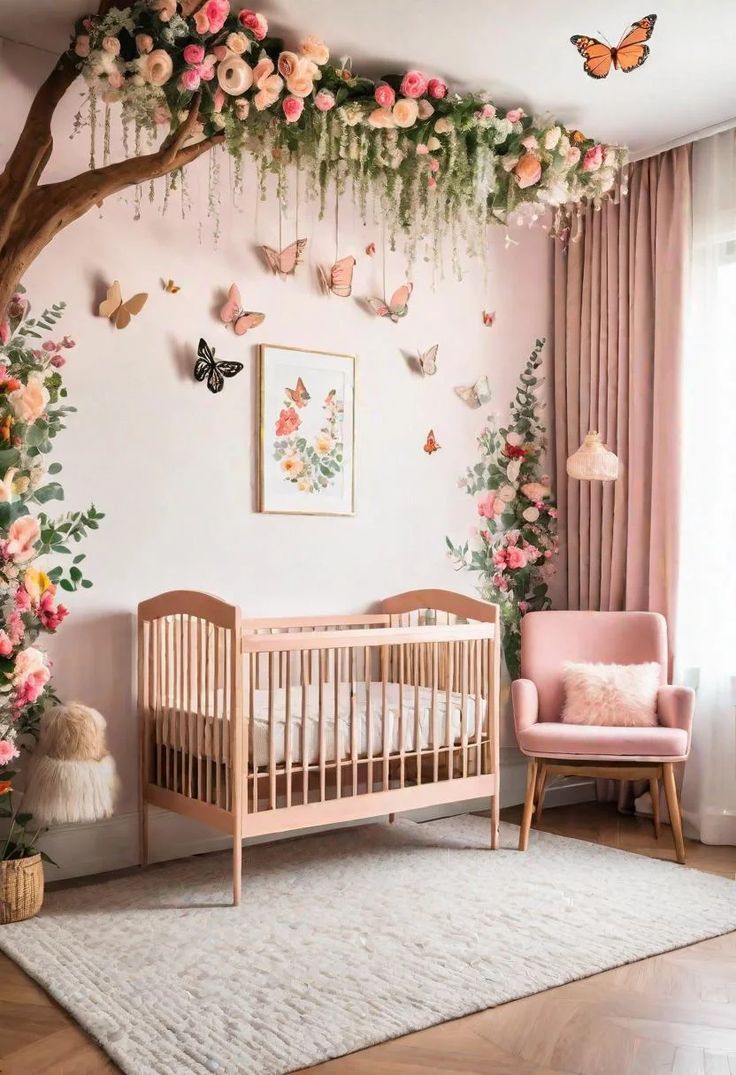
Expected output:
(144, 43)
(237, 43)
(22, 536)
(234, 75)
(515, 557)
(111, 44)
(156, 67)
(292, 466)
(268, 84)
(323, 443)
(405, 112)
(381, 117)
(30, 673)
(287, 64)
(425, 109)
(507, 493)
(301, 81)
(535, 491)
(528, 170)
(31, 399)
(314, 49)
(443, 125)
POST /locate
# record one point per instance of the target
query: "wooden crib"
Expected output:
(259, 726)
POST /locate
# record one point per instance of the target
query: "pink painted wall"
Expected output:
(174, 467)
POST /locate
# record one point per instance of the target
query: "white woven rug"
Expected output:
(347, 939)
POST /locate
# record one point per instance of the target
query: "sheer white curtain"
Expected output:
(706, 650)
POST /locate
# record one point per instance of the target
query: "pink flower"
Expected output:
(422, 149)
(111, 44)
(532, 553)
(30, 675)
(22, 599)
(414, 84)
(501, 583)
(22, 536)
(514, 115)
(547, 554)
(487, 112)
(528, 170)
(16, 627)
(515, 557)
(324, 101)
(431, 182)
(144, 43)
(4, 331)
(437, 88)
(384, 95)
(8, 751)
(193, 54)
(217, 12)
(50, 615)
(6, 646)
(288, 422)
(268, 84)
(523, 607)
(201, 22)
(593, 159)
(499, 558)
(489, 504)
(553, 513)
(189, 79)
(58, 361)
(255, 22)
(293, 108)
(572, 156)
(434, 165)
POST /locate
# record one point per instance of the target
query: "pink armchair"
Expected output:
(548, 639)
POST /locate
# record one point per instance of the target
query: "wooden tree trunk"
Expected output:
(32, 213)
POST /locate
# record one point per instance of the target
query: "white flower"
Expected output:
(515, 439)
(351, 114)
(513, 469)
(531, 515)
(552, 137)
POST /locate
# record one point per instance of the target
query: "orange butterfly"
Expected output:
(630, 53)
(298, 395)
(339, 280)
(431, 444)
(284, 262)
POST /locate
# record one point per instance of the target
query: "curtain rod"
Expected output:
(694, 136)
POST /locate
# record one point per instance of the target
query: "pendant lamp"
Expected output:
(593, 462)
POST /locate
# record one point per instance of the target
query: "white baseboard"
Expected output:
(81, 850)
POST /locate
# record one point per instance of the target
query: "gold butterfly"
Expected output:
(116, 310)
(170, 287)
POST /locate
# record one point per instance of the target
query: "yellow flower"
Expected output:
(304, 485)
(323, 443)
(36, 583)
(292, 465)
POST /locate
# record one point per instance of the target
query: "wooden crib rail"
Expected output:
(454, 604)
(378, 636)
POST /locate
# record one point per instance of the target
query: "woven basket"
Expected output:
(21, 888)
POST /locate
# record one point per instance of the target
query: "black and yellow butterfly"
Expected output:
(630, 53)
(215, 372)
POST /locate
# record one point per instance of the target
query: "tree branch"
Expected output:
(177, 138)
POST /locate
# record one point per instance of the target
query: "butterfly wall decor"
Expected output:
(215, 372)
(338, 280)
(119, 312)
(232, 313)
(371, 250)
(170, 287)
(431, 445)
(489, 318)
(396, 307)
(284, 262)
(630, 53)
(427, 361)
(298, 395)
(475, 395)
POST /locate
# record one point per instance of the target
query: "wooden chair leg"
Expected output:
(654, 792)
(237, 866)
(391, 818)
(495, 821)
(673, 805)
(526, 817)
(541, 786)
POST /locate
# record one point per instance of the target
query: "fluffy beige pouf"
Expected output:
(71, 776)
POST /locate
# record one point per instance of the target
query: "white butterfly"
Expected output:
(427, 361)
(475, 395)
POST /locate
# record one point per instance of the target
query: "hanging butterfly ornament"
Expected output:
(170, 287)
(630, 53)
(119, 312)
(338, 280)
(475, 395)
(284, 262)
(489, 318)
(431, 445)
(232, 313)
(398, 305)
(215, 372)
(427, 361)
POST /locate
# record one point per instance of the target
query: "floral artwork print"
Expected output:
(310, 466)
(514, 543)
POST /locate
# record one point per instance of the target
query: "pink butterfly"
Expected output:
(339, 281)
(284, 262)
(370, 249)
(232, 313)
(398, 305)
(488, 319)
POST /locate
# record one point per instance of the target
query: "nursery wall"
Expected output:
(174, 467)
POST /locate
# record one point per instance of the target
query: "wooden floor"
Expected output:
(674, 1013)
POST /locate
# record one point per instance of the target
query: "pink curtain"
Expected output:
(618, 343)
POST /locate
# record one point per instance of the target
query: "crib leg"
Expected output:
(142, 833)
(237, 867)
(391, 818)
(495, 821)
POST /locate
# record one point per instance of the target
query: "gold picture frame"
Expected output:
(305, 468)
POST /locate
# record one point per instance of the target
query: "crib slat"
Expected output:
(159, 697)
(338, 745)
(386, 746)
(417, 720)
(190, 707)
(368, 716)
(435, 744)
(402, 755)
(353, 729)
(449, 736)
(306, 657)
(251, 717)
(478, 721)
(321, 731)
(271, 731)
(287, 727)
(464, 705)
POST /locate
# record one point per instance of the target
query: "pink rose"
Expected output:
(111, 44)
(50, 615)
(437, 88)
(16, 627)
(487, 112)
(384, 95)
(434, 165)
(189, 79)
(193, 54)
(6, 646)
(528, 170)
(490, 505)
(514, 115)
(515, 557)
(7, 751)
(81, 45)
(523, 607)
(431, 182)
(255, 22)
(31, 399)
(22, 536)
(293, 108)
(156, 67)
(144, 43)
(201, 22)
(217, 12)
(30, 675)
(324, 101)
(593, 159)
(58, 361)
(414, 84)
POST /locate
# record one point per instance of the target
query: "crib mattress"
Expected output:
(205, 736)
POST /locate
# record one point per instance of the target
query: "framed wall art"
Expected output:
(307, 431)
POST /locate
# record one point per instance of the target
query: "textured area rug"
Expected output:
(347, 939)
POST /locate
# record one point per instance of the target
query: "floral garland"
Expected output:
(32, 414)
(434, 160)
(514, 546)
(311, 467)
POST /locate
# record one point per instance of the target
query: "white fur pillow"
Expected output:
(616, 695)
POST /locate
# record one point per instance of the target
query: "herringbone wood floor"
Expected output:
(674, 1013)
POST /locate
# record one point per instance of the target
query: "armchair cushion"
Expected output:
(553, 740)
(616, 695)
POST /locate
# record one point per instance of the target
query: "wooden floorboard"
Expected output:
(673, 1014)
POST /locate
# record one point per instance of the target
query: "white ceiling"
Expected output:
(519, 51)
